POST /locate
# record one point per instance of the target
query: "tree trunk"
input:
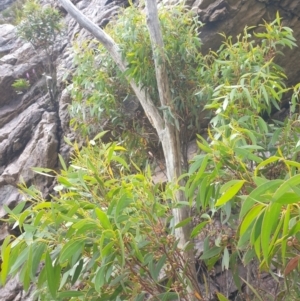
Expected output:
(170, 138)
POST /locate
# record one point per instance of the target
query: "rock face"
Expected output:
(231, 16)
(32, 130)
(5, 3)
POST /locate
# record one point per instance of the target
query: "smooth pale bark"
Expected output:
(170, 139)
(167, 132)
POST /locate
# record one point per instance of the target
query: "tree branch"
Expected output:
(148, 105)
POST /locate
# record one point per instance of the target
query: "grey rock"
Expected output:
(5, 3)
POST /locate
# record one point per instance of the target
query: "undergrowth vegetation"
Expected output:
(13, 14)
(108, 234)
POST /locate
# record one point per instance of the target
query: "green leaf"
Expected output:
(248, 219)
(5, 257)
(121, 161)
(198, 228)
(183, 223)
(263, 193)
(53, 276)
(21, 259)
(204, 145)
(199, 161)
(140, 297)
(285, 230)
(123, 203)
(70, 294)
(122, 248)
(253, 290)
(214, 251)
(37, 255)
(169, 296)
(100, 278)
(221, 297)
(19, 208)
(270, 219)
(100, 135)
(286, 186)
(77, 272)
(230, 193)
(265, 163)
(156, 268)
(225, 259)
(69, 249)
(43, 171)
(288, 198)
(103, 218)
(62, 162)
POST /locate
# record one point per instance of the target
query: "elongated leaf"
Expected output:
(262, 193)
(271, 216)
(77, 271)
(5, 257)
(214, 251)
(255, 235)
(230, 193)
(204, 145)
(156, 268)
(248, 219)
(288, 198)
(286, 186)
(37, 255)
(123, 203)
(122, 248)
(100, 278)
(225, 259)
(221, 297)
(62, 162)
(285, 230)
(183, 223)
(43, 171)
(169, 296)
(253, 290)
(292, 265)
(70, 294)
(50, 274)
(198, 228)
(199, 164)
(100, 135)
(20, 260)
(265, 163)
(103, 218)
(69, 249)
(140, 297)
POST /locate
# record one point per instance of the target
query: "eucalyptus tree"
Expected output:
(166, 128)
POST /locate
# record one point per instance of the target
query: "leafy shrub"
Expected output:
(13, 14)
(104, 235)
(99, 89)
(21, 85)
(247, 174)
(41, 26)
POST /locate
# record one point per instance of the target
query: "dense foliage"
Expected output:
(40, 26)
(43, 28)
(108, 233)
(103, 236)
(105, 91)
